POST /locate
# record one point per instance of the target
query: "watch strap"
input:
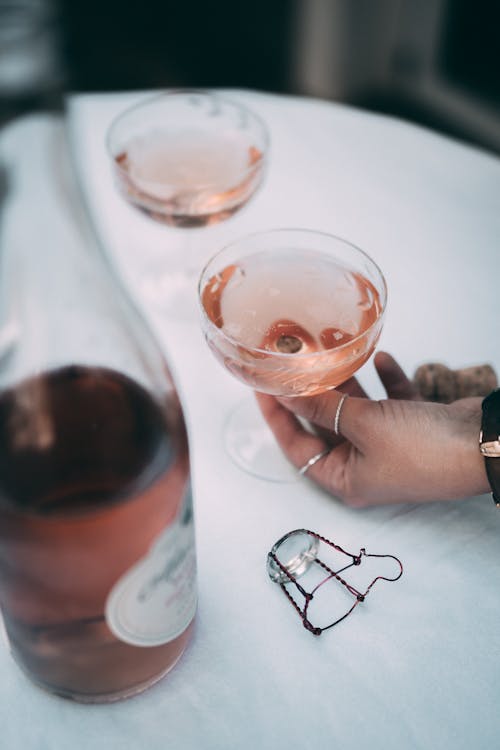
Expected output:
(489, 441)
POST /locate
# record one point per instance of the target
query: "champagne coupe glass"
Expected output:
(187, 159)
(290, 312)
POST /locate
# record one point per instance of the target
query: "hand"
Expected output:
(401, 449)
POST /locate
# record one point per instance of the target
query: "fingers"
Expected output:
(297, 443)
(356, 416)
(393, 378)
(321, 409)
(352, 388)
(299, 446)
(360, 422)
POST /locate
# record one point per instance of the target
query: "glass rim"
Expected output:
(286, 355)
(182, 92)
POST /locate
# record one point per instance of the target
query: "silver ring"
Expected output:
(313, 460)
(337, 414)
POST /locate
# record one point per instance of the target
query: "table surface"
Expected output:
(417, 665)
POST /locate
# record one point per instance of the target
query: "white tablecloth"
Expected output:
(418, 664)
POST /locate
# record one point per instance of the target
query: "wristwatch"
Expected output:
(489, 441)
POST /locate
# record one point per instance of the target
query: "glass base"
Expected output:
(251, 445)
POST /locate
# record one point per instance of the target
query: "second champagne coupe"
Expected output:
(289, 312)
(187, 159)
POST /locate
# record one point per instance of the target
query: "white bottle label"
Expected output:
(155, 600)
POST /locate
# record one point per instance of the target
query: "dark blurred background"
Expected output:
(435, 62)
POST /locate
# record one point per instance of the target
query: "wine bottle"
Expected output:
(97, 549)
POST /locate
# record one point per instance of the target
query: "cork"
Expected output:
(436, 382)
